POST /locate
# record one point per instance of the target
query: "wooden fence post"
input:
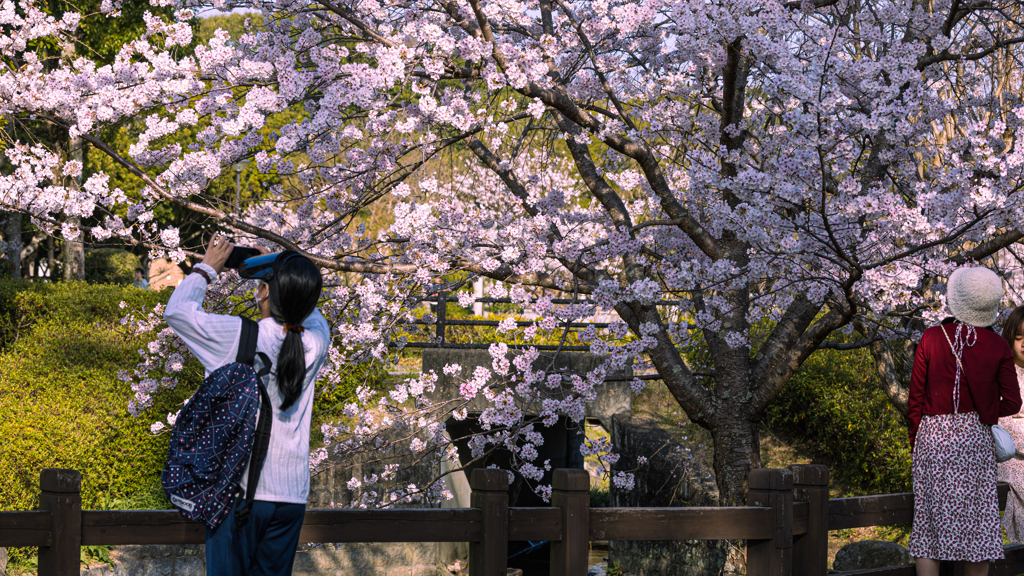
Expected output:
(773, 488)
(61, 494)
(571, 493)
(489, 556)
(810, 550)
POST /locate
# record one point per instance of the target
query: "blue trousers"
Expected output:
(264, 545)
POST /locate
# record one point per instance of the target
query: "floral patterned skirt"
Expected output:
(1012, 471)
(956, 506)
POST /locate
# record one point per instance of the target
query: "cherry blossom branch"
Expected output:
(239, 224)
(945, 55)
(813, 4)
(351, 18)
(510, 179)
(559, 100)
(597, 68)
(678, 377)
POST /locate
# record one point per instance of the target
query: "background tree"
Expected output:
(786, 172)
(96, 38)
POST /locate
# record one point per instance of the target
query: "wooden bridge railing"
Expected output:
(785, 527)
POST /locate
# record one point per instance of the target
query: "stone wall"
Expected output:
(672, 476)
(412, 559)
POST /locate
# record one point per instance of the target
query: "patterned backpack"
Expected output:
(215, 434)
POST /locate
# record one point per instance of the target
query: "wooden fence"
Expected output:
(785, 527)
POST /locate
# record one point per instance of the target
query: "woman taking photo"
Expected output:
(963, 380)
(295, 336)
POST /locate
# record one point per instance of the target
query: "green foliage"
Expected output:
(101, 36)
(835, 403)
(61, 403)
(233, 24)
(25, 304)
(110, 266)
(330, 401)
(94, 554)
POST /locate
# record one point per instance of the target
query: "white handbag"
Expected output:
(1005, 449)
(1001, 440)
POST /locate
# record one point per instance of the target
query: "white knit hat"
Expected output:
(973, 296)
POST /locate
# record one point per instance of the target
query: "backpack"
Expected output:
(216, 433)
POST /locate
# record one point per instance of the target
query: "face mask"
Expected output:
(256, 296)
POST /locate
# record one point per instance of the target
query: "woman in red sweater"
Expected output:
(951, 409)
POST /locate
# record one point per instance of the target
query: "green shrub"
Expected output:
(61, 404)
(110, 266)
(23, 304)
(835, 403)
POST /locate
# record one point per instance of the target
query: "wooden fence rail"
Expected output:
(785, 527)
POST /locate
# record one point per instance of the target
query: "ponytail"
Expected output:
(291, 368)
(294, 292)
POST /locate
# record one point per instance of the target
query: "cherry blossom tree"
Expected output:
(786, 173)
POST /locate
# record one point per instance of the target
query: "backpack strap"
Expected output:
(261, 441)
(247, 341)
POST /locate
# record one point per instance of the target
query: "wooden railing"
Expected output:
(785, 527)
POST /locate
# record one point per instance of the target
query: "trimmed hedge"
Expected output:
(111, 266)
(61, 404)
(834, 402)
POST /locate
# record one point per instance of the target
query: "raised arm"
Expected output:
(212, 338)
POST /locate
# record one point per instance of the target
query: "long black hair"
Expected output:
(294, 292)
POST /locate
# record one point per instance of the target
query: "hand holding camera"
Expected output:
(221, 253)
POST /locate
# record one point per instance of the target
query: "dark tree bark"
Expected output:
(12, 235)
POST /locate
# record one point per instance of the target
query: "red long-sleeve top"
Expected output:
(988, 385)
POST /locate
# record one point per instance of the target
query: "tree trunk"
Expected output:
(29, 256)
(72, 256)
(12, 235)
(737, 452)
(51, 261)
(73, 251)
